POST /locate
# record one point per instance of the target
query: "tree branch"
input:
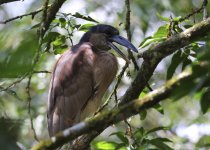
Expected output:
(108, 118)
(51, 13)
(158, 52)
(128, 31)
(32, 14)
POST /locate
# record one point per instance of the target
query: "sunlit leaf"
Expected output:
(162, 18)
(105, 145)
(161, 32)
(160, 35)
(85, 27)
(60, 49)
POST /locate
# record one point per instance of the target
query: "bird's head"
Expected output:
(102, 38)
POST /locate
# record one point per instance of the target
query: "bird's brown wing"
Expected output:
(71, 86)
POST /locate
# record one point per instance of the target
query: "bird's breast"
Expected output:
(104, 69)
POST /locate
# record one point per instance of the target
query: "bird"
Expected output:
(82, 75)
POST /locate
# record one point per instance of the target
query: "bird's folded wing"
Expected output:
(71, 86)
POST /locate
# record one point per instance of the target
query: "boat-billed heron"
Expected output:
(81, 77)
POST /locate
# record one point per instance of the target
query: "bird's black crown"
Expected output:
(101, 28)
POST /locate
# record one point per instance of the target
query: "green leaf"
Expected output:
(121, 136)
(105, 145)
(159, 143)
(205, 101)
(139, 133)
(159, 108)
(143, 114)
(185, 87)
(175, 61)
(177, 18)
(85, 27)
(62, 22)
(88, 18)
(186, 62)
(19, 61)
(156, 129)
(160, 35)
(162, 18)
(51, 36)
(60, 49)
(60, 40)
(204, 142)
(162, 32)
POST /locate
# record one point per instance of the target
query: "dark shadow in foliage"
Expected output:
(9, 131)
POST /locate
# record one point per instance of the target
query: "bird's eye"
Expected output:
(109, 35)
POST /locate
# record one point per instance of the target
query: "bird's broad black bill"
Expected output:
(124, 42)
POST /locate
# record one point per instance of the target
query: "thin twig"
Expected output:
(129, 130)
(127, 28)
(11, 92)
(29, 107)
(32, 14)
(14, 83)
(44, 20)
(196, 11)
(51, 13)
(42, 71)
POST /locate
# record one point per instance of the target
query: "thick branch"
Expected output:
(51, 13)
(108, 118)
(7, 1)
